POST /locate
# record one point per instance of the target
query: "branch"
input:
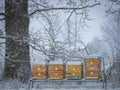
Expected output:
(69, 25)
(35, 48)
(4, 37)
(20, 61)
(2, 14)
(85, 47)
(38, 49)
(63, 8)
(2, 42)
(2, 19)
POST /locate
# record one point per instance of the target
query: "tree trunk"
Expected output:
(17, 57)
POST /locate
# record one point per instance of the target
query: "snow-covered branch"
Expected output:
(2, 16)
(62, 8)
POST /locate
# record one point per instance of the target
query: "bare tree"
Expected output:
(71, 10)
(48, 42)
(113, 6)
(112, 35)
(16, 16)
(52, 39)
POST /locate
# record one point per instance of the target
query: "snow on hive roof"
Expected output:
(56, 62)
(74, 62)
(38, 62)
(92, 56)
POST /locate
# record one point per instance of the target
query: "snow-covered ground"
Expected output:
(14, 85)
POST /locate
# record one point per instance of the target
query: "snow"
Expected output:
(15, 85)
(74, 89)
(38, 62)
(56, 62)
(74, 62)
(92, 56)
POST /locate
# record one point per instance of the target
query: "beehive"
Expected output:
(92, 68)
(74, 70)
(56, 70)
(39, 70)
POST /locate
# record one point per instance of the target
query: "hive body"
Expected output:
(56, 70)
(92, 68)
(74, 70)
(39, 71)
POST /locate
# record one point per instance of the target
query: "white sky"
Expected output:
(98, 15)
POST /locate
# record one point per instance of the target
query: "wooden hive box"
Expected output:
(92, 68)
(56, 70)
(74, 70)
(39, 70)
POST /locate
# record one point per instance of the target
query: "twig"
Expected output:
(63, 8)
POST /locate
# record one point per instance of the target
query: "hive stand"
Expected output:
(103, 79)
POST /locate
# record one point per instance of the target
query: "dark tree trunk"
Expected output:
(17, 61)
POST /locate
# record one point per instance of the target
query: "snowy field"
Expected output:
(55, 86)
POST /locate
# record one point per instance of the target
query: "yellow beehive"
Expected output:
(56, 70)
(74, 70)
(39, 71)
(92, 68)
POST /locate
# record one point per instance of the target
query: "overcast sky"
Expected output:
(98, 15)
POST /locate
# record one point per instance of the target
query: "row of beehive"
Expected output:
(70, 70)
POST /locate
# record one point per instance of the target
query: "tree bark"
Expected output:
(17, 57)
